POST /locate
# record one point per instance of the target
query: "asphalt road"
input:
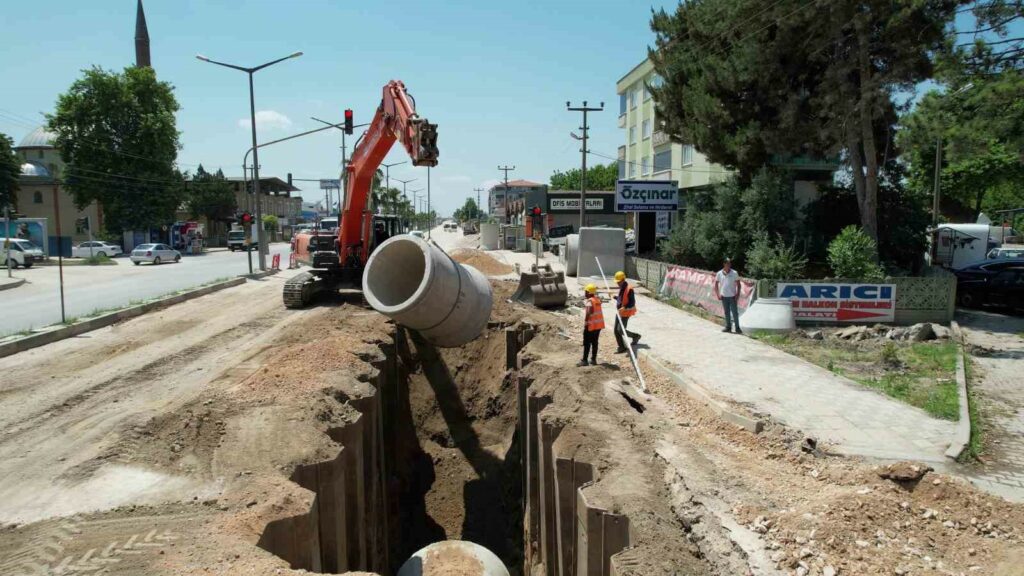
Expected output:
(88, 288)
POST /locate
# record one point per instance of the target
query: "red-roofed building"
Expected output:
(519, 193)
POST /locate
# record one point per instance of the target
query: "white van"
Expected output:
(23, 252)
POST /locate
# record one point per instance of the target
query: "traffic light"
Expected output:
(246, 218)
(536, 210)
(348, 121)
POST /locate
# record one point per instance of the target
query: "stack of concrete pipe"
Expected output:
(418, 285)
(569, 255)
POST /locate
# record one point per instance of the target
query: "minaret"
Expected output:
(141, 38)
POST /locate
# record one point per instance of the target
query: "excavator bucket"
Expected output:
(542, 287)
(425, 143)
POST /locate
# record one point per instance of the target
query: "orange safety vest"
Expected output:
(627, 312)
(594, 317)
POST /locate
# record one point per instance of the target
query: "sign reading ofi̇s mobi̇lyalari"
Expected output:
(646, 196)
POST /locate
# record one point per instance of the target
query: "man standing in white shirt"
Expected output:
(727, 289)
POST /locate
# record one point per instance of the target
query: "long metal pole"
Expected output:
(938, 173)
(430, 221)
(60, 250)
(261, 240)
(618, 319)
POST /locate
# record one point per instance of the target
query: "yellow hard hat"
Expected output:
(590, 289)
(620, 276)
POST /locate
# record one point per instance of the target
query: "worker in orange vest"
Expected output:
(625, 303)
(593, 323)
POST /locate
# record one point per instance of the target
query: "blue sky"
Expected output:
(494, 76)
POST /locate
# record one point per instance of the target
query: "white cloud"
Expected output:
(268, 120)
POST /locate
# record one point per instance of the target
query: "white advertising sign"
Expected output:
(825, 302)
(646, 196)
(330, 184)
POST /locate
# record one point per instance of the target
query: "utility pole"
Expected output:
(583, 174)
(430, 221)
(387, 178)
(506, 169)
(479, 208)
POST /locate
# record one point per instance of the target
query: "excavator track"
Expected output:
(299, 290)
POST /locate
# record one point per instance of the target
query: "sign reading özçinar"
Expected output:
(646, 195)
(825, 302)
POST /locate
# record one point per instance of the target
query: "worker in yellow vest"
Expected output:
(593, 323)
(626, 305)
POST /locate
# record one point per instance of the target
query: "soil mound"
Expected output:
(482, 261)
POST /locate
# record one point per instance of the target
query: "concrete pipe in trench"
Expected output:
(572, 253)
(453, 557)
(418, 285)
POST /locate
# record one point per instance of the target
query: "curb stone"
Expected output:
(44, 338)
(962, 436)
(698, 392)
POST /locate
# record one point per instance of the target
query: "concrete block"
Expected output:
(607, 245)
(489, 236)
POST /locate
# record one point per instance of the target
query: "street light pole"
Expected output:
(430, 221)
(583, 174)
(404, 183)
(387, 178)
(262, 243)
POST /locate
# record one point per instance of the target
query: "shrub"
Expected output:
(852, 255)
(97, 260)
(774, 260)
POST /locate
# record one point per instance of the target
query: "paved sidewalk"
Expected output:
(6, 283)
(997, 353)
(855, 420)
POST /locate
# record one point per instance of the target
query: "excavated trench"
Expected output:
(432, 455)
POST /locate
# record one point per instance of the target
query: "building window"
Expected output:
(647, 93)
(632, 170)
(622, 104)
(687, 154)
(645, 165)
(622, 169)
(632, 99)
(663, 161)
(657, 81)
(37, 197)
(632, 134)
(647, 129)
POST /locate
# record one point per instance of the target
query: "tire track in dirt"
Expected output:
(151, 371)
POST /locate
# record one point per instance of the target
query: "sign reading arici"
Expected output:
(646, 196)
(825, 302)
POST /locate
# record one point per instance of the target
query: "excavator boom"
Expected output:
(395, 120)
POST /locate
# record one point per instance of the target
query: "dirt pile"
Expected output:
(482, 261)
(814, 513)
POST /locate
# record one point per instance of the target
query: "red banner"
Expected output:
(696, 287)
(275, 263)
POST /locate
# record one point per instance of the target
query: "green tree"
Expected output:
(747, 83)
(210, 195)
(116, 133)
(982, 131)
(270, 222)
(774, 259)
(10, 170)
(468, 211)
(599, 177)
(852, 255)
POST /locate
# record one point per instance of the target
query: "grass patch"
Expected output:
(1020, 335)
(919, 374)
(976, 445)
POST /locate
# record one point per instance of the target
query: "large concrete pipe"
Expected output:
(572, 254)
(454, 558)
(418, 285)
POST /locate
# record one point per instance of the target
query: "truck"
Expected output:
(237, 239)
(23, 252)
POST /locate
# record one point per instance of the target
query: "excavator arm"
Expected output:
(395, 120)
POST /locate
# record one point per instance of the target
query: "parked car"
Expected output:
(154, 254)
(23, 252)
(1006, 252)
(95, 248)
(995, 283)
(418, 234)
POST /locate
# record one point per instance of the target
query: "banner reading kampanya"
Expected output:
(695, 287)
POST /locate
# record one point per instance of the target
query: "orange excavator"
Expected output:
(337, 257)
